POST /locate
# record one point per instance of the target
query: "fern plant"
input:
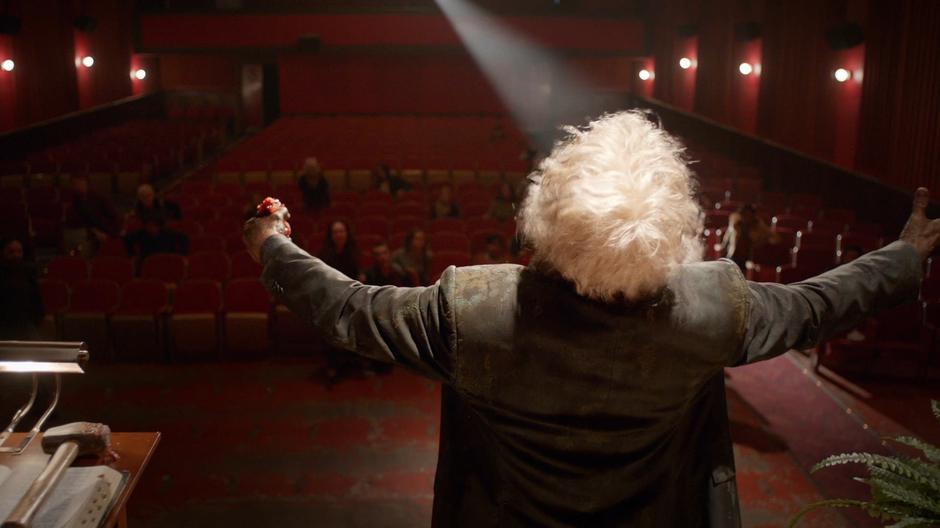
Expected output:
(905, 492)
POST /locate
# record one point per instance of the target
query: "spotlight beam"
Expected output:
(538, 89)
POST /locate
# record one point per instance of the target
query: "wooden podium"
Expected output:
(134, 450)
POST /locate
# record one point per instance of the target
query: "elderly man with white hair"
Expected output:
(581, 390)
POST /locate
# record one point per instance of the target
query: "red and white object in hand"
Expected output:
(270, 206)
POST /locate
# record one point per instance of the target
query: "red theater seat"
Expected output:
(68, 269)
(450, 242)
(447, 225)
(243, 266)
(247, 308)
(137, 323)
(814, 260)
(194, 322)
(168, 267)
(443, 259)
(213, 265)
(117, 269)
(204, 243)
(92, 303)
(373, 225)
(55, 302)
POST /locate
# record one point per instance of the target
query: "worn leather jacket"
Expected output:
(562, 411)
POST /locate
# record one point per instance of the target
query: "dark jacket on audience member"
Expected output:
(344, 262)
(93, 211)
(376, 277)
(161, 211)
(21, 308)
(316, 195)
(559, 410)
(146, 242)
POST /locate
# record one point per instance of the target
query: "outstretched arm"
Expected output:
(409, 326)
(801, 315)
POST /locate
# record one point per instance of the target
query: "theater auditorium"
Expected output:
(415, 263)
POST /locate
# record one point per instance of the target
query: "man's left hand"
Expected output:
(259, 229)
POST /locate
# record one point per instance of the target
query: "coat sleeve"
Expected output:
(801, 315)
(413, 327)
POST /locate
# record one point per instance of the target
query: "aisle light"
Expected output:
(842, 75)
(88, 61)
(8, 65)
(685, 63)
(139, 74)
(645, 75)
(745, 68)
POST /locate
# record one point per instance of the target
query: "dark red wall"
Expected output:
(206, 32)
(46, 81)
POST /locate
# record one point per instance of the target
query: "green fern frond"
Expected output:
(905, 495)
(930, 451)
(913, 522)
(901, 467)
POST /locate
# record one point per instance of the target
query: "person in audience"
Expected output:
(153, 238)
(21, 309)
(412, 260)
(148, 206)
(382, 273)
(445, 206)
(746, 232)
(92, 212)
(340, 250)
(384, 180)
(313, 186)
(494, 253)
(503, 206)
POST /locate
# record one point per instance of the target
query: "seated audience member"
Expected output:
(153, 238)
(494, 253)
(503, 207)
(384, 180)
(445, 206)
(412, 261)
(92, 212)
(21, 308)
(382, 273)
(149, 207)
(313, 185)
(746, 232)
(340, 251)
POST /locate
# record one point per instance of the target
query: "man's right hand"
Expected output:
(920, 231)
(259, 229)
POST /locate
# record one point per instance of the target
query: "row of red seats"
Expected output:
(144, 319)
(169, 268)
(371, 140)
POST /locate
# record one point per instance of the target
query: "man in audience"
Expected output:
(153, 238)
(412, 260)
(384, 180)
(21, 308)
(313, 186)
(588, 388)
(91, 212)
(445, 206)
(494, 253)
(382, 273)
(149, 207)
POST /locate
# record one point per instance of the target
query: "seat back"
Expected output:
(144, 297)
(247, 295)
(197, 297)
(95, 296)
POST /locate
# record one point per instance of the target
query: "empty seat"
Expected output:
(55, 302)
(243, 266)
(214, 265)
(112, 247)
(814, 260)
(404, 224)
(168, 267)
(204, 243)
(447, 225)
(194, 321)
(819, 240)
(136, 325)
(374, 225)
(68, 269)
(118, 269)
(247, 307)
(443, 259)
(450, 242)
(91, 305)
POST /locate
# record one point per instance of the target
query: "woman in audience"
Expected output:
(445, 206)
(413, 260)
(384, 180)
(21, 308)
(746, 232)
(313, 185)
(503, 207)
(340, 251)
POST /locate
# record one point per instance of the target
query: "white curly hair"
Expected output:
(612, 209)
